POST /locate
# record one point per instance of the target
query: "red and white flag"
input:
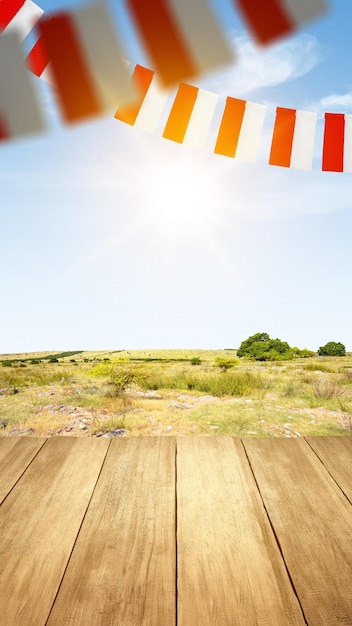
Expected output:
(293, 139)
(271, 19)
(19, 17)
(86, 62)
(19, 110)
(337, 147)
(190, 116)
(182, 38)
(240, 129)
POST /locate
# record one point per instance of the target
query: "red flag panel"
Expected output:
(75, 86)
(334, 140)
(268, 20)
(8, 10)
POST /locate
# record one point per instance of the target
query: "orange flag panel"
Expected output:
(142, 77)
(230, 127)
(281, 146)
(163, 39)
(181, 112)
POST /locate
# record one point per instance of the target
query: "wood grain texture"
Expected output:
(15, 456)
(39, 522)
(230, 570)
(336, 455)
(313, 522)
(123, 568)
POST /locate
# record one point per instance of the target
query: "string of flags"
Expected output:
(91, 76)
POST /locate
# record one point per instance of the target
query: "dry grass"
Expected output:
(154, 392)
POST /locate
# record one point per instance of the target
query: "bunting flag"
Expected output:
(182, 38)
(146, 111)
(8, 10)
(273, 19)
(20, 16)
(86, 62)
(337, 146)
(190, 116)
(90, 75)
(293, 139)
(38, 61)
(19, 110)
(240, 129)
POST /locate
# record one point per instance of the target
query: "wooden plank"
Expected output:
(336, 454)
(312, 520)
(15, 456)
(123, 567)
(230, 570)
(39, 522)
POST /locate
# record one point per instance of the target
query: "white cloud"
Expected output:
(334, 103)
(257, 68)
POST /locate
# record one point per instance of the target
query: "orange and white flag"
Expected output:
(183, 38)
(293, 139)
(19, 110)
(145, 112)
(337, 147)
(86, 62)
(240, 129)
(271, 19)
(190, 116)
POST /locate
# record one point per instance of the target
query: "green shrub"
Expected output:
(225, 364)
(120, 380)
(332, 348)
(196, 360)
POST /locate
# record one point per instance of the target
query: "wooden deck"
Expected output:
(197, 531)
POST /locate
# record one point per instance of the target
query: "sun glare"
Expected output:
(178, 196)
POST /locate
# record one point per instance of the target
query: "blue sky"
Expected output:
(100, 248)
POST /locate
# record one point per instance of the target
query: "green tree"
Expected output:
(245, 346)
(332, 348)
(261, 348)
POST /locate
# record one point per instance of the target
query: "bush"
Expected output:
(225, 364)
(195, 360)
(120, 380)
(261, 348)
(332, 348)
(302, 354)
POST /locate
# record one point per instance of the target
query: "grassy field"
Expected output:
(173, 392)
